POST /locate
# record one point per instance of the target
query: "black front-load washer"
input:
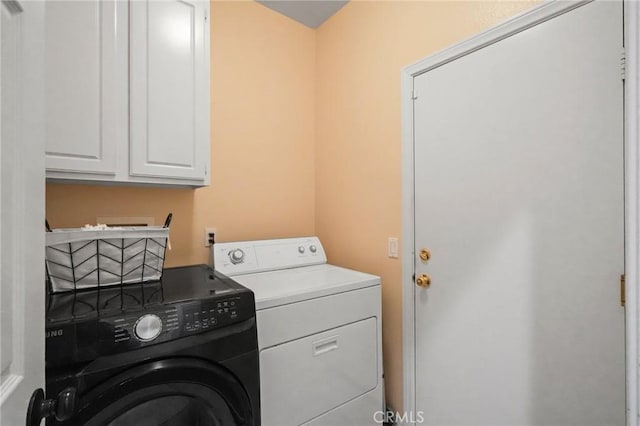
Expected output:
(180, 351)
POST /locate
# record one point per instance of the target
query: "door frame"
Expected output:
(516, 24)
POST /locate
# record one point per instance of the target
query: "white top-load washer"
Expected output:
(319, 332)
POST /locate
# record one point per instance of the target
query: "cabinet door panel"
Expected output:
(169, 89)
(82, 91)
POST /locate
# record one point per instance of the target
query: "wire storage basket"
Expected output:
(78, 259)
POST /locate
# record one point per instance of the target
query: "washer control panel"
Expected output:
(144, 328)
(129, 331)
(246, 257)
(193, 301)
(210, 314)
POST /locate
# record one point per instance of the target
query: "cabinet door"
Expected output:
(86, 86)
(169, 84)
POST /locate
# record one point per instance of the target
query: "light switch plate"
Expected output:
(392, 247)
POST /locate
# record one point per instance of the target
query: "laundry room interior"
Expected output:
(305, 139)
(299, 155)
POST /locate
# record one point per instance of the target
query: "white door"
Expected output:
(519, 197)
(169, 83)
(21, 207)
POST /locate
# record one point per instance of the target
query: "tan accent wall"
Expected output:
(360, 54)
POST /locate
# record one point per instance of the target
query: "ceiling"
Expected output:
(311, 13)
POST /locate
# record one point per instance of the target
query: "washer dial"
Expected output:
(148, 327)
(236, 256)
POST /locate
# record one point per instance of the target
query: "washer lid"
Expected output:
(276, 288)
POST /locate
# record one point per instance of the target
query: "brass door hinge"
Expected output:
(622, 291)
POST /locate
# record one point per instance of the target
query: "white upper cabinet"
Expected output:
(169, 76)
(128, 92)
(82, 87)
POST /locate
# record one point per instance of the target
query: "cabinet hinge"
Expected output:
(622, 290)
(623, 64)
(205, 170)
(206, 16)
(414, 95)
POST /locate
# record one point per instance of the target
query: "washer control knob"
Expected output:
(148, 327)
(236, 256)
(313, 249)
(300, 249)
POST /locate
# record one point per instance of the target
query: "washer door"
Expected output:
(167, 393)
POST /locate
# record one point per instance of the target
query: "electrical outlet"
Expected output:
(207, 235)
(392, 247)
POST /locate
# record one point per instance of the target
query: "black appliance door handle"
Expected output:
(62, 408)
